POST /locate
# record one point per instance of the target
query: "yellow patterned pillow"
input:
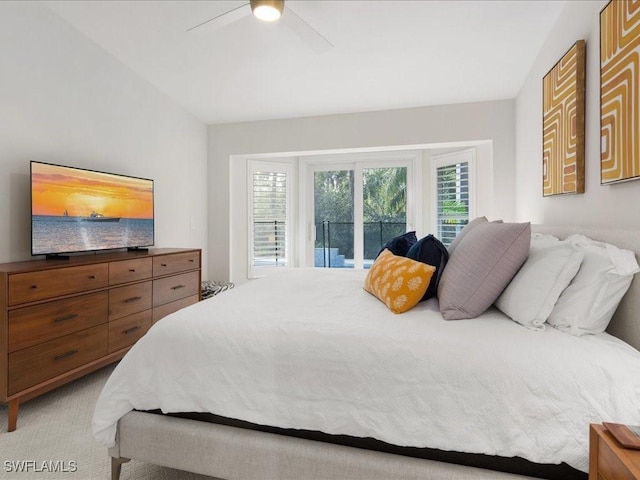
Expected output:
(399, 282)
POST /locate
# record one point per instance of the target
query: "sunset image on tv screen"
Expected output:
(78, 210)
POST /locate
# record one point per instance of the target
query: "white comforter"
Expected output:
(310, 349)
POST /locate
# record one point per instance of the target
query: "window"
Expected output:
(269, 216)
(453, 188)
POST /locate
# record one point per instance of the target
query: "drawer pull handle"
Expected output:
(178, 287)
(131, 330)
(92, 277)
(191, 260)
(71, 316)
(132, 270)
(163, 264)
(68, 354)
(132, 299)
(34, 287)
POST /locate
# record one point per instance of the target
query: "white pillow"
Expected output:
(588, 303)
(541, 240)
(532, 293)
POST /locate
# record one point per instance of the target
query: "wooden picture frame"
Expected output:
(619, 92)
(563, 93)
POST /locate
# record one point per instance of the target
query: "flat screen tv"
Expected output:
(77, 210)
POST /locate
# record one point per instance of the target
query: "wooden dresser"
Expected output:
(608, 460)
(61, 319)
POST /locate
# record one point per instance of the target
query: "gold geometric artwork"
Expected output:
(563, 92)
(619, 91)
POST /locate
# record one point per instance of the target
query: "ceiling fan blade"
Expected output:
(216, 23)
(306, 32)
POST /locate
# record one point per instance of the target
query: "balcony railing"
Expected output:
(334, 242)
(449, 226)
(269, 243)
(333, 246)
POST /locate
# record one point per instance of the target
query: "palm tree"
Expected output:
(385, 194)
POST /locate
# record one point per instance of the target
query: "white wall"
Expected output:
(604, 206)
(65, 100)
(483, 121)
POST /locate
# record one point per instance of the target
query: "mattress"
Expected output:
(310, 350)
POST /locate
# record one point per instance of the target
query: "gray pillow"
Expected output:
(483, 264)
(467, 228)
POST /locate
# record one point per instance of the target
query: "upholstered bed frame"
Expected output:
(237, 453)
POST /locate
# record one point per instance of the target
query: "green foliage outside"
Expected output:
(454, 206)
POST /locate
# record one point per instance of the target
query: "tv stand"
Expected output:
(62, 320)
(137, 249)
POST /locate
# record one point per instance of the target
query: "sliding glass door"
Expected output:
(357, 207)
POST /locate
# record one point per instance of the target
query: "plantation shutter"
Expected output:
(452, 197)
(269, 208)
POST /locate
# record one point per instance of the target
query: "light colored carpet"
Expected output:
(56, 427)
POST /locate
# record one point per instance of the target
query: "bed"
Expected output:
(321, 381)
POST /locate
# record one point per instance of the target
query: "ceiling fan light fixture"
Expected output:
(267, 10)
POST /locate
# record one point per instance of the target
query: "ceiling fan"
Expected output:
(268, 10)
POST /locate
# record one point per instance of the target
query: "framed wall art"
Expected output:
(620, 91)
(563, 93)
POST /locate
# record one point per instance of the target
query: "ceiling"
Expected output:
(385, 55)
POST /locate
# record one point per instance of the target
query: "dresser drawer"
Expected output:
(33, 286)
(175, 262)
(30, 326)
(168, 289)
(36, 364)
(131, 299)
(130, 270)
(164, 310)
(128, 330)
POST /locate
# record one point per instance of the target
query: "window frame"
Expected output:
(256, 166)
(449, 159)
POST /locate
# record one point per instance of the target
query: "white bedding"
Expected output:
(310, 349)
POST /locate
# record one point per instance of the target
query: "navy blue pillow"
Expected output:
(401, 244)
(431, 251)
